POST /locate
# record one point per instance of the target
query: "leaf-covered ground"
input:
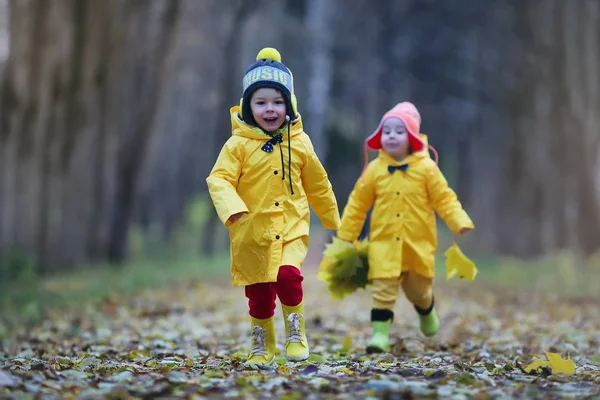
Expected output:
(191, 340)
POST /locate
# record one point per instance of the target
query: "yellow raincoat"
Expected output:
(403, 234)
(275, 230)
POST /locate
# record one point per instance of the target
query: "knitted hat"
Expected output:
(408, 113)
(268, 72)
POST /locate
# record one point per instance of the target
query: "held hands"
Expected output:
(235, 217)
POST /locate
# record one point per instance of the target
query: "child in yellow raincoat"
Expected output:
(404, 186)
(262, 183)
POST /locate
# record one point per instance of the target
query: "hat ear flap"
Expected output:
(294, 105)
(293, 99)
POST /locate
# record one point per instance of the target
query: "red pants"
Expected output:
(261, 296)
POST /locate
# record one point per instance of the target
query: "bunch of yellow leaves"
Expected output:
(555, 363)
(459, 264)
(345, 267)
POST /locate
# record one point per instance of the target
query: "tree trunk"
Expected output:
(551, 188)
(230, 91)
(77, 89)
(134, 149)
(318, 23)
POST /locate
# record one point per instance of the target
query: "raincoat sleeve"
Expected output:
(318, 188)
(360, 201)
(222, 183)
(445, 203)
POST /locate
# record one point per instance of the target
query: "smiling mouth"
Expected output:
(270, 119)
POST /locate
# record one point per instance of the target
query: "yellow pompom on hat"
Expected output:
(269, 53)
(268, 72)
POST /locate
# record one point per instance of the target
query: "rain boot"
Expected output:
(263, 342)
(296, 345)
(381, 320)
(430, 322)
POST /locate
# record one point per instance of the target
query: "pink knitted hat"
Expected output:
(409, 114)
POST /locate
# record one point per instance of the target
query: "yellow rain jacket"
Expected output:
(403, 234)
(245, 178)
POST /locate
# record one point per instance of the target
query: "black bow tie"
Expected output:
(268, 147)
(402, 167)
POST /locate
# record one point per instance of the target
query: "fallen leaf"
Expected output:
(347, 343)
(439, 374)
(536, 364)
(316, 359)
(409, 372)
(311, 369)
(555, 363)
(560, 366)
(466, 379)
(283, 369)
(74, 374)
(177, 377)
(7, 380)
(198, 350)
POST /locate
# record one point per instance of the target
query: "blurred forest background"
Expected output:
(112, 114)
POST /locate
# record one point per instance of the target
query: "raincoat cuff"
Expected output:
(331, 225)
(462, 223)
(233, 211)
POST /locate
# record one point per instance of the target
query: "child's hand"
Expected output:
(462, 231)
(235, 217)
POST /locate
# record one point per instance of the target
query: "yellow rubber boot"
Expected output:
(296, 344)
(263, 342)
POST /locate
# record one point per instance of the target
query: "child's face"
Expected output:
(394, 138)
(268, 108)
